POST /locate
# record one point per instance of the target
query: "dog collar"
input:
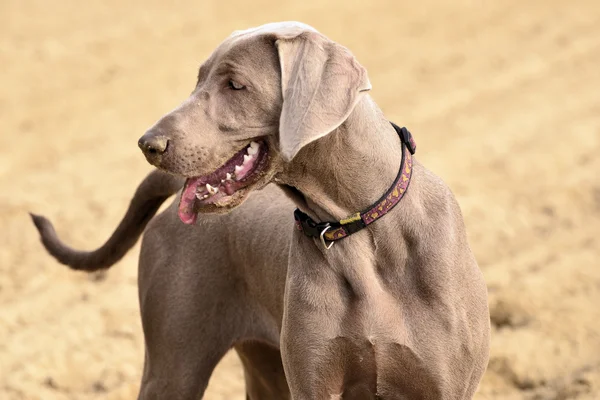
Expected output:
(332, 231)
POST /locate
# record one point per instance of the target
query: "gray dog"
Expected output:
(371, 293)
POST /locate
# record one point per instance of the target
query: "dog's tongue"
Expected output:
(186, 204)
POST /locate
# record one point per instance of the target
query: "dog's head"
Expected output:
(263, 95)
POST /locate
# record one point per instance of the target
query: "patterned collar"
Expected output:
(332, 231)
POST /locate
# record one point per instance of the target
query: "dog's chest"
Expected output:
(377, 368)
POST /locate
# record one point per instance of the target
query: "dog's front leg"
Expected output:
(310, 354)
(324, 353)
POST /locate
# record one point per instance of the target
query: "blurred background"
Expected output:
(503, 98)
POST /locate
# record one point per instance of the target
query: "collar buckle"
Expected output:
(310, 227)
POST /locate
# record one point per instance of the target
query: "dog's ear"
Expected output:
(321, 83)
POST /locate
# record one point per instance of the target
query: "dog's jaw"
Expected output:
(227, 186)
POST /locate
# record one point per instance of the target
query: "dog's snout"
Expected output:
(153, 145)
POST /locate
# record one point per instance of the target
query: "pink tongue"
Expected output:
(186, 204)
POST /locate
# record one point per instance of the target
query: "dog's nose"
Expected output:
(153, 145)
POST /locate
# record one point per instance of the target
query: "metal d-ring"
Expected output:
(323, 239)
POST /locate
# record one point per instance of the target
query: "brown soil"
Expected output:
(503, 98)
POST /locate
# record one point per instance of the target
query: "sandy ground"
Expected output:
(503, 98)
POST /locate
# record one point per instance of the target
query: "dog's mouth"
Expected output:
(219, 188)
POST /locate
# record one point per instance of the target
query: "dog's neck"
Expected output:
(349, 169)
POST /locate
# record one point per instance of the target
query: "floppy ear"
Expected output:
(321, 84)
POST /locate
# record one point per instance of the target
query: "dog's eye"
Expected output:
(235, 86)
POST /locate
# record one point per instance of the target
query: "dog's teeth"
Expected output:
(211, 190)
(247, 158)
(228, 177)
(238, 169)
(253, 149)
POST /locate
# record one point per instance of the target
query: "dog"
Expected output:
(368, 290)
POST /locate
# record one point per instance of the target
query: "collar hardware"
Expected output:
(325, 245)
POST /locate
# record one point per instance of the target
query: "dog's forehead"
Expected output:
(283, 29)
(239, 40)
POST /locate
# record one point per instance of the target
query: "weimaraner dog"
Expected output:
(369, 290)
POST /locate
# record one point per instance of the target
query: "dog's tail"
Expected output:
(150, 194)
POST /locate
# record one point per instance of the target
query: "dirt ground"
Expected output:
(503, 98)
